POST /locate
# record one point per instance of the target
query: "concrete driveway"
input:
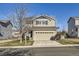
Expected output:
(46, 43)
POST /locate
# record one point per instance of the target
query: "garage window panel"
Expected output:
(44, 32)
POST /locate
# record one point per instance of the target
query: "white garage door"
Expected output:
(43, 35)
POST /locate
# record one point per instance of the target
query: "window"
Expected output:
(41, 22)
(44, 22)
(76, 29)
(38, 22)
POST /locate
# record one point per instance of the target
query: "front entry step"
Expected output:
(40, 43)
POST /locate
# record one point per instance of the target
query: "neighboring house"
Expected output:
(5, 29)
(40, 27)
(73, 27)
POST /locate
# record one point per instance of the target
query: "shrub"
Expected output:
(56, 37)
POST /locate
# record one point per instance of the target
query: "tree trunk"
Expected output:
(21, 38)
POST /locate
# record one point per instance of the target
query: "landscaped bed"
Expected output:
(69, 41)
(17, 43)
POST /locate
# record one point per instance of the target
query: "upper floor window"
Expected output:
(45, 22)
(38, 22)
(41, 22)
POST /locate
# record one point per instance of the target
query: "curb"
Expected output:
(38, 46)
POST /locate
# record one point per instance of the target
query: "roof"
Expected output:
(44, 16)
(5, 23)
(75, 17)
(30, 19)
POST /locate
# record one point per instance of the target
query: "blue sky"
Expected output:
(60, 11)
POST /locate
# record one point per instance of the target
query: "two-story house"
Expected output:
(40, 27)
(73, 26)
(5, 29)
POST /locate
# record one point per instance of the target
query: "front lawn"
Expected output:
(17, 43)
(71, 41)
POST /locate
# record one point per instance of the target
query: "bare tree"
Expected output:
(17, 16)
(20, 14)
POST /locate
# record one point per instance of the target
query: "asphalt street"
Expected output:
(40, 51)
(56, 51)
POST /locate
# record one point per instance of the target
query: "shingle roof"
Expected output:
(5, 23)
(39, 16)
(74, 17)
(45, 16)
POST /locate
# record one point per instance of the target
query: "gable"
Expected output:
(43, 17)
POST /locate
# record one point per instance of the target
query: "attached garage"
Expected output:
(43, 35)
(44, 27)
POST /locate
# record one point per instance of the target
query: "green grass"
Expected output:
(17, 43)
(72, 41)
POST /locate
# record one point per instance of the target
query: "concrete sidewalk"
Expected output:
(39, 46)
(7, 40)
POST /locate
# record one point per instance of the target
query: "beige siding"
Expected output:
(41, 34)
(78, 32)
(77, 22)
(50, 23)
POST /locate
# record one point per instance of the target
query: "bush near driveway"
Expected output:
(56, 37)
